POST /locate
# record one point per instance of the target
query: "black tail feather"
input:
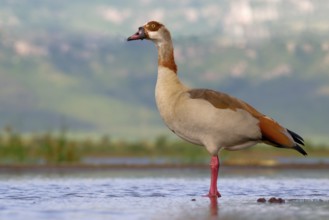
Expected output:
(298, 139)
(300, 150)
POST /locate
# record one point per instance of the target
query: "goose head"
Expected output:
(153, 31)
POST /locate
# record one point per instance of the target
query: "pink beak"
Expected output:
(139, 35)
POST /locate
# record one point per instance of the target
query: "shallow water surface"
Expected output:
(164, 194)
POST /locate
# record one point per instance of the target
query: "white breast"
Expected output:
(168, 91)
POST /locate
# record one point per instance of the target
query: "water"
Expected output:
(164, 194)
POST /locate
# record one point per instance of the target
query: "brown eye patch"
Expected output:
(153, 26)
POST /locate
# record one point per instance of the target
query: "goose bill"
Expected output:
(139, 35)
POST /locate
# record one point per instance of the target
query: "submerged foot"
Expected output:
(213, 194)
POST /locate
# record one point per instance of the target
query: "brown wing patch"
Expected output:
(223, 101)
(275, 134)
(217, 99)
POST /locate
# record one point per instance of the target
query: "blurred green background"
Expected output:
(67, 71)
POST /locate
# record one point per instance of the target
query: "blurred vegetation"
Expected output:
(48, 148)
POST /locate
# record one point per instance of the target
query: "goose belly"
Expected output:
(199, 122)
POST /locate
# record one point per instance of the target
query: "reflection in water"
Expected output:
(213, 206)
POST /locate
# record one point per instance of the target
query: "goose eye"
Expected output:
(153, 26)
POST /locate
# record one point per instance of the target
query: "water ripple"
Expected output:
(159, 197)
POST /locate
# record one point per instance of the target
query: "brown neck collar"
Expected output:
(166, 56)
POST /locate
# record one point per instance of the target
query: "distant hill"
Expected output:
(67, 63)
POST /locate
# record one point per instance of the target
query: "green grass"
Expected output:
(58, 148)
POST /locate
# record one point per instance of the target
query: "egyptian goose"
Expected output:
(205, 117)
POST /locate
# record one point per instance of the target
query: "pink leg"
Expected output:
(214, 166)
